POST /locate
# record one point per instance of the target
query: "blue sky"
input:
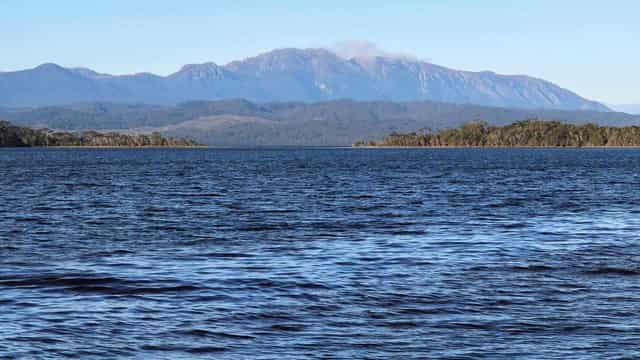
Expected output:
(588, 46)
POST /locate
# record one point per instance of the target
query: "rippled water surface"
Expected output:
(319, 253)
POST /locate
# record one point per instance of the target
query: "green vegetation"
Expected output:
(14, 136)
(243, 123)
(529, 133)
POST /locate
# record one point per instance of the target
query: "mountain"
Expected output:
(243, 123)
(628, 108)
(307, 75)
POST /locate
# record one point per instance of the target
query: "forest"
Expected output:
(15, 136)
(527, 133)
(237, 122)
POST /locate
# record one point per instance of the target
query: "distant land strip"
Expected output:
(241, 123)
(15, 136)
(527, 133)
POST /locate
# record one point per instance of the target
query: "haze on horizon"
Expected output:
(586, 46)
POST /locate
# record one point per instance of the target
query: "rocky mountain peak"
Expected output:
(204, 71)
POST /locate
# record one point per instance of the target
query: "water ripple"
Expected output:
(319, 253)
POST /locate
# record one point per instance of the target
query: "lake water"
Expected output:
(319, 253)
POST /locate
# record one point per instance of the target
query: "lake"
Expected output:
(319, 253)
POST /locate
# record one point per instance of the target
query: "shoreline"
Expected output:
(495, 147)
(103, 147)
(284, 147)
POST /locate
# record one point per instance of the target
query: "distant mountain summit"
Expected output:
(308, 75)
(200, 72)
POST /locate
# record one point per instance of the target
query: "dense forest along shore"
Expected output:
(528, 133)
(15, 136)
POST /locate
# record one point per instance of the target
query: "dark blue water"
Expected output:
(319, 253)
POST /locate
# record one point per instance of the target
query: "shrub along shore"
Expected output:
(528, 133)
(15, 136)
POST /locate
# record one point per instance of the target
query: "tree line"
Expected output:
(15, 136)
(528, 133)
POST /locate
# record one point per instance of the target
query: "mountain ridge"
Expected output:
(289, 74)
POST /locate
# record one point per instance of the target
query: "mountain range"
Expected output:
(283, 75)
(243, 123)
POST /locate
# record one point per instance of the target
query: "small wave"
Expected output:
(265, 227)
(48, 208)
(29, 219)
(515, 225)
(400, 324)
(308, 285)
(111, 253)
(532, 268)
(365, 345)
(56, 281)
(363, 196)
(153, 209)
(227, 255)
(195, 195)
(102, 285)
(216, 334)
(416, 311)
(191, 350)
(470, 325)
(277, 211)
(407, 232)
(613, 271)
(36, 339)
(288, 327)
(205, 349)
(110, 290)
(323, 307)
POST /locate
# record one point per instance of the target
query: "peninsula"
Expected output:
(15, 136)
(528, 133)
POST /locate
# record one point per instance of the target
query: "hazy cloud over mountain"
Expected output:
(354, 49)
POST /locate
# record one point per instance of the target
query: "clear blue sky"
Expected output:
(589, 46)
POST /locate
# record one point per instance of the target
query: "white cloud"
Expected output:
(361, 49)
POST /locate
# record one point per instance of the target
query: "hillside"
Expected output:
(520, 134)
(243, 123)
(15, 136)
(283, 75)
